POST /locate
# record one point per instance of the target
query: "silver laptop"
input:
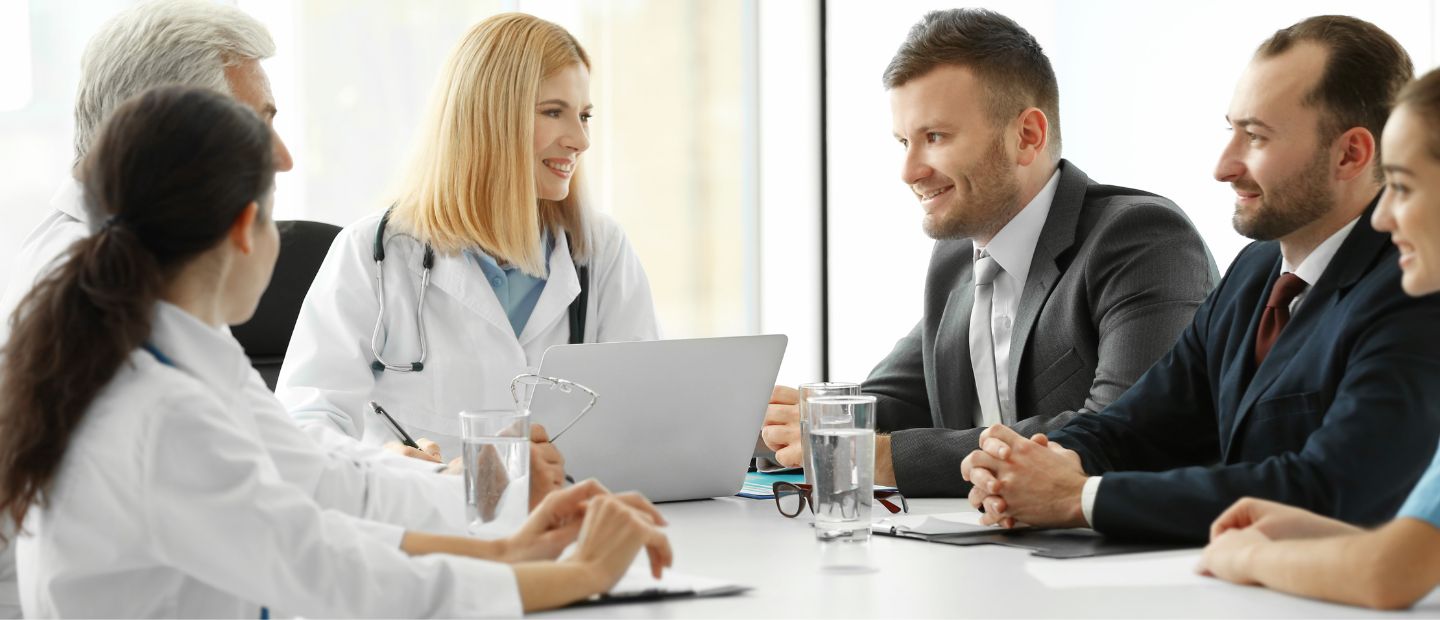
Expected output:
(675, 419)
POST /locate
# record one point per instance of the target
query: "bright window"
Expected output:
(15, 72)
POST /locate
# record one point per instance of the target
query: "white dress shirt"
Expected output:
(1013, 248)
(168, 504)
(1310, 270)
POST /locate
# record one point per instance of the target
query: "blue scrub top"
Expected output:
(516, 290)
(1424, 500)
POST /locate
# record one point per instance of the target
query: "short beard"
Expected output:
(993, 199)
(1295, 203)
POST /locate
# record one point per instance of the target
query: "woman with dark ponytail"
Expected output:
(137, 474)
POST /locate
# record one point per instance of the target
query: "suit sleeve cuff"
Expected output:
(1087, 499)
(927, 462)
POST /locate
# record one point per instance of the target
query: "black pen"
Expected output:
(404, 436)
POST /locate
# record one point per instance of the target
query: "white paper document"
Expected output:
(945, 523)
(1161, 569)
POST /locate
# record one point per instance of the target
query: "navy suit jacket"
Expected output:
(1340, 419)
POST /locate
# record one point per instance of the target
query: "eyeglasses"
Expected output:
(790, 497)
(527, 382)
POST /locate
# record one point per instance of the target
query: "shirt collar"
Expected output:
(490, 266)
(1314, 265)
(1014, 246)
(69, 199)
(207, 353)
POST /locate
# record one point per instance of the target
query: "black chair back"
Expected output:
(266, 336)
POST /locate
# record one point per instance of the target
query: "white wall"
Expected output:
(1144, 87)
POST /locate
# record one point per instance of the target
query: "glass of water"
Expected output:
(842, 436)
(808, 390)
(496, 449)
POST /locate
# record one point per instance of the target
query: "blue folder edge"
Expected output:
(758, 484)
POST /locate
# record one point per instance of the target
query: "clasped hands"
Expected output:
(1024, 481)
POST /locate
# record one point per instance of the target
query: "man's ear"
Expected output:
(242, 230)
(1034, 135)
(1357, 153)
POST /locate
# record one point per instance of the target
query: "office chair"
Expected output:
(265, 337)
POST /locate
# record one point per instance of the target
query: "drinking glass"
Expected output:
(808, 390)
(496, 449)
(842, 434)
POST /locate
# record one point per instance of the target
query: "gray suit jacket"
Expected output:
(1116, 276)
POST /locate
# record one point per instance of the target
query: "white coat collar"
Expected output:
(69, 199)
(210, 355)
(562, 287)
(462, 279)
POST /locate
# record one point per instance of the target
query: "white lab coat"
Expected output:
(327, 382)
(344, 475)
(168, 504)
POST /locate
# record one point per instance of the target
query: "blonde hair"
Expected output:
(472, 177)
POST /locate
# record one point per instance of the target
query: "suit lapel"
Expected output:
(1057, 236)
(1242, 372)
(956, 385)
(1349, 264)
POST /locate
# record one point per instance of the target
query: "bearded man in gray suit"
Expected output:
(1048, 294)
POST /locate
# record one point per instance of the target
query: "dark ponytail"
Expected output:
(171, 171)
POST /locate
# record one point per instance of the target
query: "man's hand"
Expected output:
(884, 462)
(547, 466)
(1024, 480)
(429, 450)
(1228, 555)
(1277, 521)
(781, 431)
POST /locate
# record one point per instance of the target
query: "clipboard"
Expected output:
(637, 586)
(657, 594)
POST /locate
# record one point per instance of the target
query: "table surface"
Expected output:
(747, 542)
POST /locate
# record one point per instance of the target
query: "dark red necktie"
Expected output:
(1277, 313)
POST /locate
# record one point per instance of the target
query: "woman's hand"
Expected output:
(547, 466)
(559, 518)
(429, 450)
(616, 527)
(1277, 521)
(1228, 555)
(554, 524)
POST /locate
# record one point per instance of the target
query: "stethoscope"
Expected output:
(576, 311)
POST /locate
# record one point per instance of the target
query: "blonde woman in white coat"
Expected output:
(491, 201)
(119, 368)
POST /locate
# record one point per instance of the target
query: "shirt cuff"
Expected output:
(1087, 499)
(391, 535)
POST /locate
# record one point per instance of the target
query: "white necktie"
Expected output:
(982, 341)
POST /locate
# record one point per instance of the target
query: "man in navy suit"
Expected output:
(1308, 376)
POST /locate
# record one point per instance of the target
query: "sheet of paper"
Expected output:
(1163, 569)
(945, 523)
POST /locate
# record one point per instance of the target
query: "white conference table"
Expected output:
(747, 542)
